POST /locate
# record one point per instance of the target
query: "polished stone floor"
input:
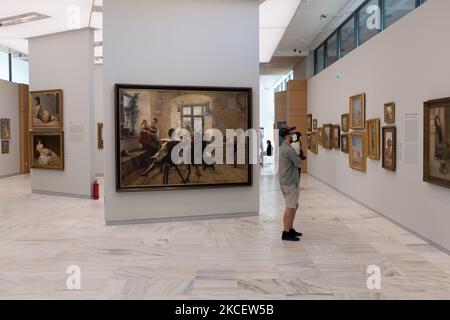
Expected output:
(41, 236)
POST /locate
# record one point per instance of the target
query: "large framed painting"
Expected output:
(187, 145)
(315, 142)
(5, 129)
(345, 118)
(436, 169)
(320, 136)
(5, 147)
(358, 112)
(389, 112)
(47, 150)
(309, 122)
(344, 143)
(46, 109)
(327, 136)
(389, 140)
(373, 139)
(336, 136)
(357, 152)
(100, 136)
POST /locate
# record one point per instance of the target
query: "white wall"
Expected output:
(178, 42)
(407, 63)
(9, 109)
(65, 61)
(99, 156)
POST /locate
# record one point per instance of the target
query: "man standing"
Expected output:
(290, 162)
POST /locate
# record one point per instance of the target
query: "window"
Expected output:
(396, 9)
(348, 36)
(364, 17)
(320, 58)
(20, 71)
(332, 49)
(4, 66)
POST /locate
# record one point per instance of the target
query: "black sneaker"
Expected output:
(295, 233)
(287, 236)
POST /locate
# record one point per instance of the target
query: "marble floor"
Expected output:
(41, 236)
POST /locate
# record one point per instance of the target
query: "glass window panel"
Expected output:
(187, 111)
(4, 66)
(187, 123)
(348, 36)
(332, 49)
(198, 111)
(396, 9)
(366, 33)
(20, 73)
(320, 58)
(198, 125)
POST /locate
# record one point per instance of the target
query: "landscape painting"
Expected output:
(437, 142)
(358, 112)
(358, 156)
(147, 138)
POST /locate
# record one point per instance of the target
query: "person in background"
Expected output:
(289, 176)
(269, 150)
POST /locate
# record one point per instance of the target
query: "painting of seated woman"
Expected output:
(46, 109)
(166, 137)
(47, 150)
(437, 142)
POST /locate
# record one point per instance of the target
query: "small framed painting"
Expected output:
(327, 136)
(320, 136)
(344, 143)
(357, 112)
(46, 109)
(389, 112)
(47, 150)
(315, 142)
(357, 152)
(389, 148)
(5, 128)
(436, 156)
(345, 122)
(5, 147)
(100, 136)
(336, 136)
(309, 122)
(373, 139)
(315, 124)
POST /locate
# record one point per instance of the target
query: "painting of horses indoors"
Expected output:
(180, 137)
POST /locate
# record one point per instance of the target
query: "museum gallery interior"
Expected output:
(105, 105)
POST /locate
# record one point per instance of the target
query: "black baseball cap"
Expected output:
(285, 131)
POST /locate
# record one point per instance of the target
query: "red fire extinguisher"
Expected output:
(96, 190)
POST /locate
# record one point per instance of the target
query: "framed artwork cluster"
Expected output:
(357, 138)
(5, 134)
(389, 138)
(47, 129)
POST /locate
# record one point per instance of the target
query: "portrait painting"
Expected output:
(309, 122)
(327, 136)
(46, 109)
(437, 142)
(345, 122)
(315, 124)
(389, 112)
(336, 137)
(320, 135)
(315, 142)
(344, 143)
(5, 128)
(389, 140)
(99, 136)
(47, 150)
(357, 152)
(147, 141)
(5, 147)
(373, 139)
(357, 112)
